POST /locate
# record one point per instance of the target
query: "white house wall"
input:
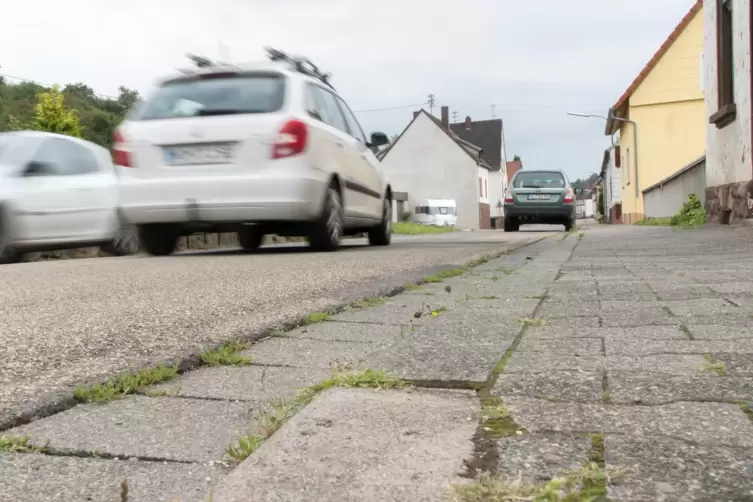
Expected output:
(496, 191)
(428, 164)
(728, 150)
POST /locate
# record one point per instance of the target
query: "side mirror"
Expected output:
(578, 191)
(36, 168)
(379, 139)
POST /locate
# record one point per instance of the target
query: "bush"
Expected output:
(692, 214)
(405, 217)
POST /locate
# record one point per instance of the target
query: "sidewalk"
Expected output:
(618, 361)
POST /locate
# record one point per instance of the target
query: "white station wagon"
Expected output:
(259, 148)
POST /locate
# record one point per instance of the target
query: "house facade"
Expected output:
(489, 135)
(661, 118)
(727, 84)
(428, 161)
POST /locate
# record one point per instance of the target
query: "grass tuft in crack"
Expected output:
(716, 367)
(369, 302)
(496, 420)
(125, 384)
(445, 274)
(531, 321)
(19, 444)
(227, 355)
(279, 411)
(316, 317)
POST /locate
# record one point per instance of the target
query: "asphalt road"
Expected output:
(68, 322)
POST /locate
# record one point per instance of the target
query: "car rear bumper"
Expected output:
(223, 199)
(541, 213)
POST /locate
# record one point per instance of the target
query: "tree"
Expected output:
(517, 159)
(127, 97)
(51, 114)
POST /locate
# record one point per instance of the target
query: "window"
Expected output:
(480, 187)
(627, 166)
(726, 110)
(64, 158)
(328, 109)
(486, 187)
(532, 179)
(235, 94)
(353, 125)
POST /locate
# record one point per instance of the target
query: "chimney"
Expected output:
(415, 114)
(467, 123)
(446, 117)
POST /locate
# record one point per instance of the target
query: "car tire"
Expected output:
(569, 226)
(381, 235)
(159, 240)
(124, 243)
(511, 225)
(327, 231)
(250, 238)
(8, 255)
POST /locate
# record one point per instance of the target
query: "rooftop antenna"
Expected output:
(493, 107)
(431, 103)
(454, 116)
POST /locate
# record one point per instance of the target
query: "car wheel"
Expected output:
(327, 231)
(381, 235)
(7, 253)
(250, 238)
(159, 240)
(569, 225)
(511, 225)
(124, 243)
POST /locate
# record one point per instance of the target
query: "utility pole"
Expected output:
(493, 107)
(431, 103)
(454, 116)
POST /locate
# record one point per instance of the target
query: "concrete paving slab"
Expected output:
(720, 331)
(361, 445)
(537, 362)
(440, 361)
(652, 317)
(35, 478)
(583, 308)
(631, 387)
(308, 353)
(626, 297)
(158, 427)
(736, 364)
(540, 458)
(623, 287)
(662, 469)
(685, 292)
(480, 332)
(349, 332)
(568, 324)
(668, 364)
(732, 288)
(562, 347)
(706, 423)
(397, 310)
(642, 347)
(257, 385)
(657, 332)
(702, 307)
(556, 385)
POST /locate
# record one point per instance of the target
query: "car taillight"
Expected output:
(508, 197)
(291, 140)
(568, 197)
(120, 154)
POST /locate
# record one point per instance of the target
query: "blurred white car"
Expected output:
(259, 148)
(58, 192)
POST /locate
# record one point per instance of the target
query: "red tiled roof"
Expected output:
(697, 6)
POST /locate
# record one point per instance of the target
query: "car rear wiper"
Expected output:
(218, 111)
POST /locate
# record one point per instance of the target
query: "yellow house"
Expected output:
(665, 105)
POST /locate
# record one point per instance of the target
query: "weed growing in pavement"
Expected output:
(411, 286)
(244, 446)
(494, 278)
(125, 384)
(19, 444)
(489, 298)
(369, 302)
(227, 355)
(745, 407)
(276, 332)
(316, 317)
(580, 235)
(124, 490)
(531, 321)
(506, 271)
(445, 274)
(279, 411)
(496, 420)
(716, 367)
(401, 336)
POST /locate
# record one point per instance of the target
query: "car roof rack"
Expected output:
(301, 65)
(201, 62)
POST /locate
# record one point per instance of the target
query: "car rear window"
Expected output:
(539, 180)
(218, 95)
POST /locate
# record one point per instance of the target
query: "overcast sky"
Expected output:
(533, 60)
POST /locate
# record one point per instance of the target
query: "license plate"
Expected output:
(538, 196)
(218, 153)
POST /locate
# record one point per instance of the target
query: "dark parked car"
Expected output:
(540, 197)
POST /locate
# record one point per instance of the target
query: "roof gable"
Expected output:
(683, 24)
(487, 134)
(469, 148)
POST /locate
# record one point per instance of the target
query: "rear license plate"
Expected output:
(538, 196)
(216, 153)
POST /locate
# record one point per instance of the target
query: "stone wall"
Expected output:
(729, 202)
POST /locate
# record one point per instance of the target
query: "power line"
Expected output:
(29, 81)
(388, 108)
